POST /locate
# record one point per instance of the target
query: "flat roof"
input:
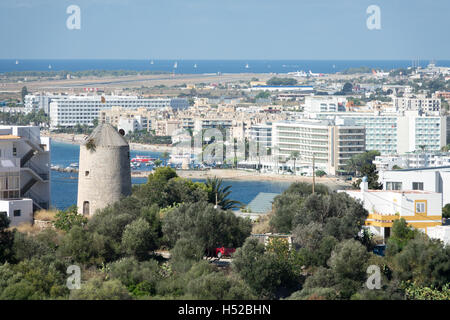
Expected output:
(395, 191)
(8, 137)
(420, 169)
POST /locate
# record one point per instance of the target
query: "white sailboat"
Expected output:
(151, 62)
(175, 65)
(49, 66)
(195, 66)
(17, 61)
(247, 66)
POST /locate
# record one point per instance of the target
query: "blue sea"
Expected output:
(64, 186)
(208, 66)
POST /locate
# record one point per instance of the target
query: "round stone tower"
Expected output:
(104, 170)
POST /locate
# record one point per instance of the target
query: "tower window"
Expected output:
(86, 173)
(86, 207)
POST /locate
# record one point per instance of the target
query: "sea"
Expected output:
(64, 185)
(208, 66)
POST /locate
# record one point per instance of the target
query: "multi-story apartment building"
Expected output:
(427, 105)
(399, 133)
(262, 135)
(141, 118)
(35, 102)
(330, 143)
(72, 110)
(315, 104)
(412, 160)
(24, 172)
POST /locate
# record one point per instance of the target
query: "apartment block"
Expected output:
(330, 143)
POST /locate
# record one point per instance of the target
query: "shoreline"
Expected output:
(78, 139)
(225, 174)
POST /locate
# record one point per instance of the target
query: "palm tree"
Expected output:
(216, 191)
(165, 155)
(294, 155)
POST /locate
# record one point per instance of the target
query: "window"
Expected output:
(393, 186)
(86, 173)
(16, 213)
(86, 207)
(421, 206)
(14, 152)
(417, 186)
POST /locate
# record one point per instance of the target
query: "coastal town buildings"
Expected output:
(72, 110)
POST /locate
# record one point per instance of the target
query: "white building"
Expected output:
(427, 105)
(72, 110)
(314, 104)
(35, 102)
(262, 135)
(427, 179)
(412, 160)
(329, 143)
(420, 209)
(399, 133)
(24, 172)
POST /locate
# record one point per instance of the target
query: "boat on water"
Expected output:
(73, 165)
(152, 62)
(175, 65)
(143, 159)
(195, 66)
(17, 61)
(247, 66)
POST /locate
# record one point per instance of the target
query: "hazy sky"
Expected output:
(227, 29)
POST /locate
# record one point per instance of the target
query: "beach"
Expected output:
(243, 175)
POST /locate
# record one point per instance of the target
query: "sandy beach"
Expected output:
(242, 175)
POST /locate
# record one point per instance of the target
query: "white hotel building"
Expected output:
(398, 133)
(72, 110)
(331, 143)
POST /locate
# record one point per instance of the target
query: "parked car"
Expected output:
(224, 252)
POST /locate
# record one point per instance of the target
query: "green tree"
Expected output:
(139, 239)
(24, 92)
(215, 188)
(262, 271)
(211, 227)
(287, 204)
(67, 219)
(98, 289)
(6, 239)
(446, 211)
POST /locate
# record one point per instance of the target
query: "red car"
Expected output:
(224, 252)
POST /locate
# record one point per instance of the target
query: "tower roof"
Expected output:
(105, 135)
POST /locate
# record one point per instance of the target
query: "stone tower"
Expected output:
(104, 170)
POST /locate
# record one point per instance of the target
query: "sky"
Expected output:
(227, 29)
